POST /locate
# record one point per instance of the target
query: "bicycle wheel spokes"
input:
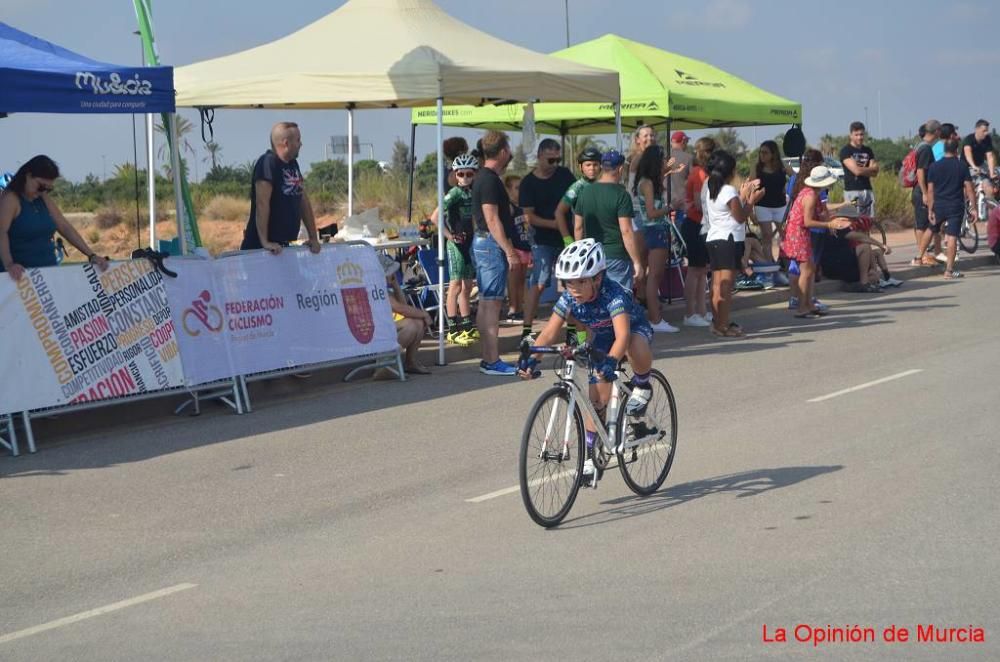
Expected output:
(552, 452)
(650, 440)
(969, 238)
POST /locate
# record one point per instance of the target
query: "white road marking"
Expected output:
(493, 495)
(866, 385)
(100, 611)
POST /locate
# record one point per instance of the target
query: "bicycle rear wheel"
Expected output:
(645, 466)
(552, 453)
(968, 239)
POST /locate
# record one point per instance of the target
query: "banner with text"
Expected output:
(75, 334)
(256, 312)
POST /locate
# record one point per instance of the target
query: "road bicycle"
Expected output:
(968, 237)
(553, 445)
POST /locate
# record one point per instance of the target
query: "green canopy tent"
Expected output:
(657, 87)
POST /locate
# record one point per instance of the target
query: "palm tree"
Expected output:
(214, 150)
(827, 144)
(184, 128)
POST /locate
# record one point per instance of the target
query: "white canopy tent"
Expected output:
(389, 54)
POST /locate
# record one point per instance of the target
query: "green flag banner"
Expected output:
(187, 221)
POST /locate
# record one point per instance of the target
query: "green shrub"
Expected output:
(108, 217)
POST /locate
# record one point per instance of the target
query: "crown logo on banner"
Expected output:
(350, 273)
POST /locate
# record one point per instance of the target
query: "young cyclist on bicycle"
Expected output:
(615, 325)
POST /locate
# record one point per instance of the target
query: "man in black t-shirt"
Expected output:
(278, 201)
(541, 191)
(923, 230)
(977, 148)
(860, 166)
(492, 248)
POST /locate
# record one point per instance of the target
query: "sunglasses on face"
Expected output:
(555, 160)
(465, 174)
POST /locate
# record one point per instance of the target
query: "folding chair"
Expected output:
(424, 294)
(678, 250)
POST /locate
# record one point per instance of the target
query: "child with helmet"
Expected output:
(458, 231)
(615, 324)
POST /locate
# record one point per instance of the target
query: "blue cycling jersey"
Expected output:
(612, 300)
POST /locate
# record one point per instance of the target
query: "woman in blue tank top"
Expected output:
(29, 219)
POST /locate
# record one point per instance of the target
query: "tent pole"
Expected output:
(669, 179)
(409, 167)
(618, 125)
(350, 161)
(151, 181)
(175, 166)
(440, 229)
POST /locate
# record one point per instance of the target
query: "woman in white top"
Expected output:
(726, 211)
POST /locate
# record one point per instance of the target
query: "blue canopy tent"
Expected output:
(37, 76)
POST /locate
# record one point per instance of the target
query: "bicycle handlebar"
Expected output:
(584, 351)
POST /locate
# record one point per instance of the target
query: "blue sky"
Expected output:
(835, 58)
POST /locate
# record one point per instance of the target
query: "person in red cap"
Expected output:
(676, 183)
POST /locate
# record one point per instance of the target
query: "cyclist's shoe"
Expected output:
(498, 367)
(473, 333)
(459, 338)
(587, 477)
(639, 400)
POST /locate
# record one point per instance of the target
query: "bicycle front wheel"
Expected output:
(968, 239)
(552, 454)
(650, 439)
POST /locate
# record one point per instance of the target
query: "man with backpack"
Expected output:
(919, 161)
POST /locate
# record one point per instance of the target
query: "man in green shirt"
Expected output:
(603, 212)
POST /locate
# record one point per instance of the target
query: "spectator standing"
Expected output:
(603, 212)
(696, 281)
(860, 166)
(773, 175)
(676, 184)
(977, 148)
(453, 148)
(948, 130)
(493, 251)
(541, 191)
(278, 200)
(808, 212)
(923, 230)
(947, 181)
(651, 213)
(643, 137)
(522, 239)
(29, 218)
(726, 212)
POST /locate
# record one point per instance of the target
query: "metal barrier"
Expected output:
(232, 392)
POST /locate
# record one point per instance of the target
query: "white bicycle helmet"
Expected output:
(581, 259)
(465, 162)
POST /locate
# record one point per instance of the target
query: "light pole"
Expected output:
(104, 164)
(866, 119)
(567, 22)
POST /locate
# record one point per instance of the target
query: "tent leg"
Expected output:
(669, 179)
(350, 161)
(175, 166)
(409, 197)
(442, 311)
(151, 181)
(618, 126)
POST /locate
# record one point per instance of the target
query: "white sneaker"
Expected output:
(709, 316)
(941, 257)
(696, 320)
(636, 403)
(663, 326)
(588, 472)
(884, 283)
(892, 282)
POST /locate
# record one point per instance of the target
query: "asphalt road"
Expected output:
(336, 524)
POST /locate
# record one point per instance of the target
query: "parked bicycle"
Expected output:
(986, 188)
(553, 445)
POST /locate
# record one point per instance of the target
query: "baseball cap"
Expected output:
(612, 158)
(678, 136)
